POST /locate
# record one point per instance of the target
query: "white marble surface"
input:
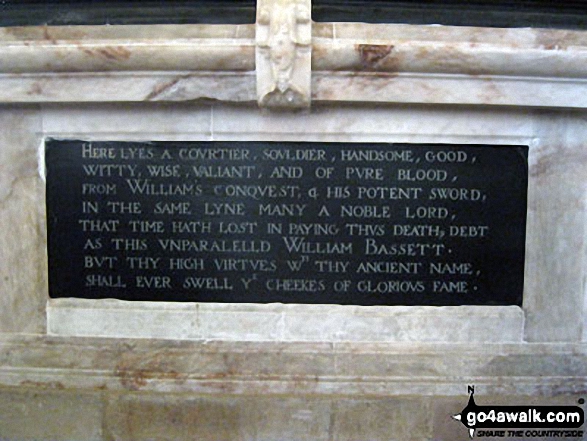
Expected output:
(556, 256)
(450, 89)
(283, 59)
(156, 48)
(283, 323)
(351, 369)
(23, 263)
(351, 62)
(377, 83)
(397, 48)
(554, 298)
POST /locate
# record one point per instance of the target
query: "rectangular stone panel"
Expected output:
(30, 413)
(288, 222)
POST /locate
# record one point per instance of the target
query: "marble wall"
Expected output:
(556, 245)
(73, 369)
(116, 370)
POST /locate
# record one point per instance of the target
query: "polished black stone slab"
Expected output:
(289, 222)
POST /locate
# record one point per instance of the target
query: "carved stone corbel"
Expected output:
(284, 53)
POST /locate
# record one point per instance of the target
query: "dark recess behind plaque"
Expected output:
(483, 13)
(499, 172)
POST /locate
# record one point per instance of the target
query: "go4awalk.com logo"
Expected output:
(522, 421)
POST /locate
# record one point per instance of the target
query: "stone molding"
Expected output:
(328, 369)
(350, 62)
(283, 58)
(284, 322)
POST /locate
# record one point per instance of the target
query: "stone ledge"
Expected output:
(351, 62)
(350, 369)
(337, 47)
(127, 87)
(53, 49)
(396, 48)
(279, 322)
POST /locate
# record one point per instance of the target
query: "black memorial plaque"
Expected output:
(259, 222)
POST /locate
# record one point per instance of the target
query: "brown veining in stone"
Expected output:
(452, 59)
(17, 32)
(43, 385)
(364, 82)
(373, 54)
(35, 89)
(133, 380)
(549, 163)
(134, 372)
(112, 53)
(265, 368)
(160, 88)
(47, 35)
(490, 92)
(115, 53)
(319, 52)
(552, 47)
(559, 40)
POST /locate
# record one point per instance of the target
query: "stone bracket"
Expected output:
(284, 53)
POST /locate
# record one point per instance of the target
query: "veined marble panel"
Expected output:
(346, 371)
(274, 368)
(554, 298)
(23, 257)
(396, 48)
(351, 62)
(53, 49)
